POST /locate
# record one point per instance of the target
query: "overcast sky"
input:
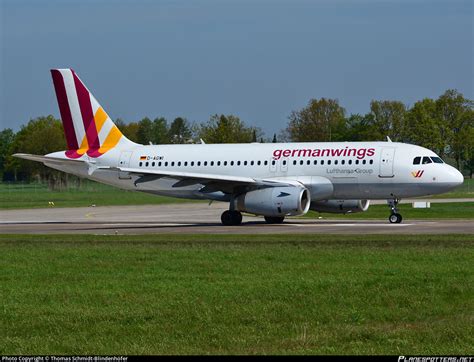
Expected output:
(257, 59)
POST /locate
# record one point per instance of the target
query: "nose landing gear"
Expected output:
(395, 217)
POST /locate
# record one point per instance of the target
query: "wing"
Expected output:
(211, 182)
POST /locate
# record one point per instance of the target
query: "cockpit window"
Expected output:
(426, 160)
(437, 160)
(416, 160)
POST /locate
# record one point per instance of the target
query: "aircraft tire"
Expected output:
(229, 218)
(274, 219)
(395, 218)
(236, 217)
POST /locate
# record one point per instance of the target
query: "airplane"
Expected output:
(273, 180)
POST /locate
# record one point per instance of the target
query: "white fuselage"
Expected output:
(330, 170)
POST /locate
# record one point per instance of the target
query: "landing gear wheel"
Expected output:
(395, 218)
(229, 218)
(274, 219)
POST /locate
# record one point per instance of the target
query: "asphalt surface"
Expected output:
(200, 218)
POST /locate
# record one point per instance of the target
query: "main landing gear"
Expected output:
(395, 217)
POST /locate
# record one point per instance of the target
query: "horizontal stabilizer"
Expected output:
(38, 158)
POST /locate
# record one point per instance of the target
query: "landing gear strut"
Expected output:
(395, 217)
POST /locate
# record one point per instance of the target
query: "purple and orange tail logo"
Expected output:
(87, 127)
(417, 174)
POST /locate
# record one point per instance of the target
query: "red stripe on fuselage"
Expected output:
(64, 109)
(87, 117)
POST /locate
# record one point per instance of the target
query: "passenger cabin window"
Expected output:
(437, 160)
(416, 160)
(426, 160)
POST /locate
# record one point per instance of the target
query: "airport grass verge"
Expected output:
(237, 294)
(28, 196)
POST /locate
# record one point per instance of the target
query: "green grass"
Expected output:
(261, 294)
(451, 210)
(20, 196)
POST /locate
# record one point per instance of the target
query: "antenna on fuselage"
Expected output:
(388, 139)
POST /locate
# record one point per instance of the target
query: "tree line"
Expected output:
(444, 125)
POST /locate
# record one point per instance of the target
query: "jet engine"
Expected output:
(340, 206)
(275, 201)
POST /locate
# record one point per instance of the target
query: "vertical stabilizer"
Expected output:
(87, 127)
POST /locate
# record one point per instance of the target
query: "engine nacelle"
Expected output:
(340, 206)
(275, 201)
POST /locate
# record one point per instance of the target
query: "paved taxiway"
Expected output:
(200, 218)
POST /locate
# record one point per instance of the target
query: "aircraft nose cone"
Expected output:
(458, 178)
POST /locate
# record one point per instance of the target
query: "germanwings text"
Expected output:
(360, 153)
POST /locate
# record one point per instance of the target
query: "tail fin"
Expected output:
(88, 129)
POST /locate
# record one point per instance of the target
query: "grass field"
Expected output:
(450, 210)
(21, 196)
(198, 294)
(18, 196)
